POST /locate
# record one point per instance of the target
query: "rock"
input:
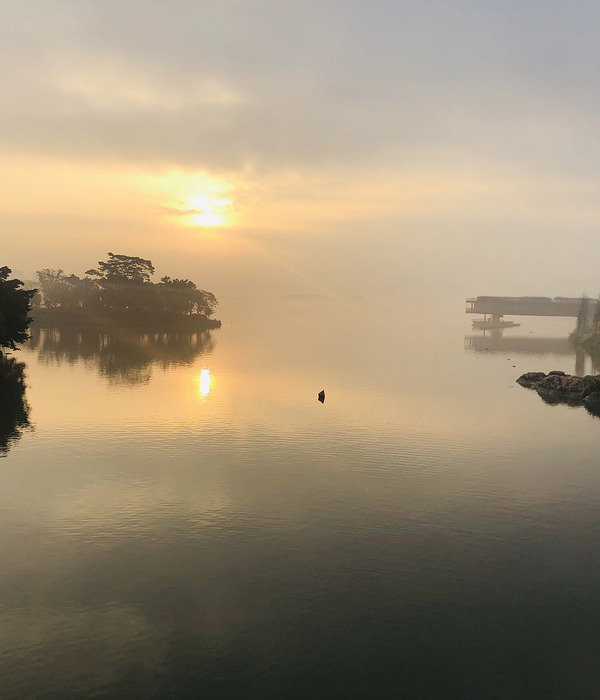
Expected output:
(560, 388)
(529, 379)
(592, 403)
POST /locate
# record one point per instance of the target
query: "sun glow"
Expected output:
(198, 200)
(206, 209)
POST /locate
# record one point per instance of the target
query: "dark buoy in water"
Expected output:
(322, 396)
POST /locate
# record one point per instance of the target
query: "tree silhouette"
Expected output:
(15, 305)
(58, 290)
(52, 286)
(125, 284)
(183, 297)
(124, 268)
(121, 288)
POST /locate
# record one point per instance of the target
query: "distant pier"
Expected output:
(585, 310)
(497, 307)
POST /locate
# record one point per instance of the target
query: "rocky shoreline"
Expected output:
(561, 388)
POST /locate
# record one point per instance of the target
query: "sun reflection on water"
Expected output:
(204, 382)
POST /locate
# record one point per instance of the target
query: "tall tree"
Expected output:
(183, 297)
(206, 303)
(80, 292)
(124, 268)
(15, 305)
(125, 284)
(65, 291)
(52, 286)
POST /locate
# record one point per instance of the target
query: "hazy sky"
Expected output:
(339, 147)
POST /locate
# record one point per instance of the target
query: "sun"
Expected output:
(206, 209)
(199, 200)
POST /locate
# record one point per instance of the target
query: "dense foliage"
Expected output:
(15, 304)
(122, 285)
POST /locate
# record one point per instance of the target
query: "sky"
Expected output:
(348, 148)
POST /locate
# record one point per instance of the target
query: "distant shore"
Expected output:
(73, 317)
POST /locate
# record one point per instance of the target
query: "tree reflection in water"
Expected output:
(14, 409)
(123, 355)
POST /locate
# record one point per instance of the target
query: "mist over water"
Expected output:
(186, 519)
(180, 515)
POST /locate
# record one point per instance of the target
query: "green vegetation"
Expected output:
(15, 305)
(121, 287)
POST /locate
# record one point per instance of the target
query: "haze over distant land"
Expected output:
(314, 148)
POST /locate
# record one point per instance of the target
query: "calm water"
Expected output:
(185, 520)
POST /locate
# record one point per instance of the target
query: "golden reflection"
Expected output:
(204, 382)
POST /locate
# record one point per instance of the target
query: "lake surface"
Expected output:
(185, 520)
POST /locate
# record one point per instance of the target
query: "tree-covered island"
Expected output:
(121, 289)
(116, 299)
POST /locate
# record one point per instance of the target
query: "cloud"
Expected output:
(398, 142)
(270, 85)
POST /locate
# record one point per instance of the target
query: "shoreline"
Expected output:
(58, 317)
